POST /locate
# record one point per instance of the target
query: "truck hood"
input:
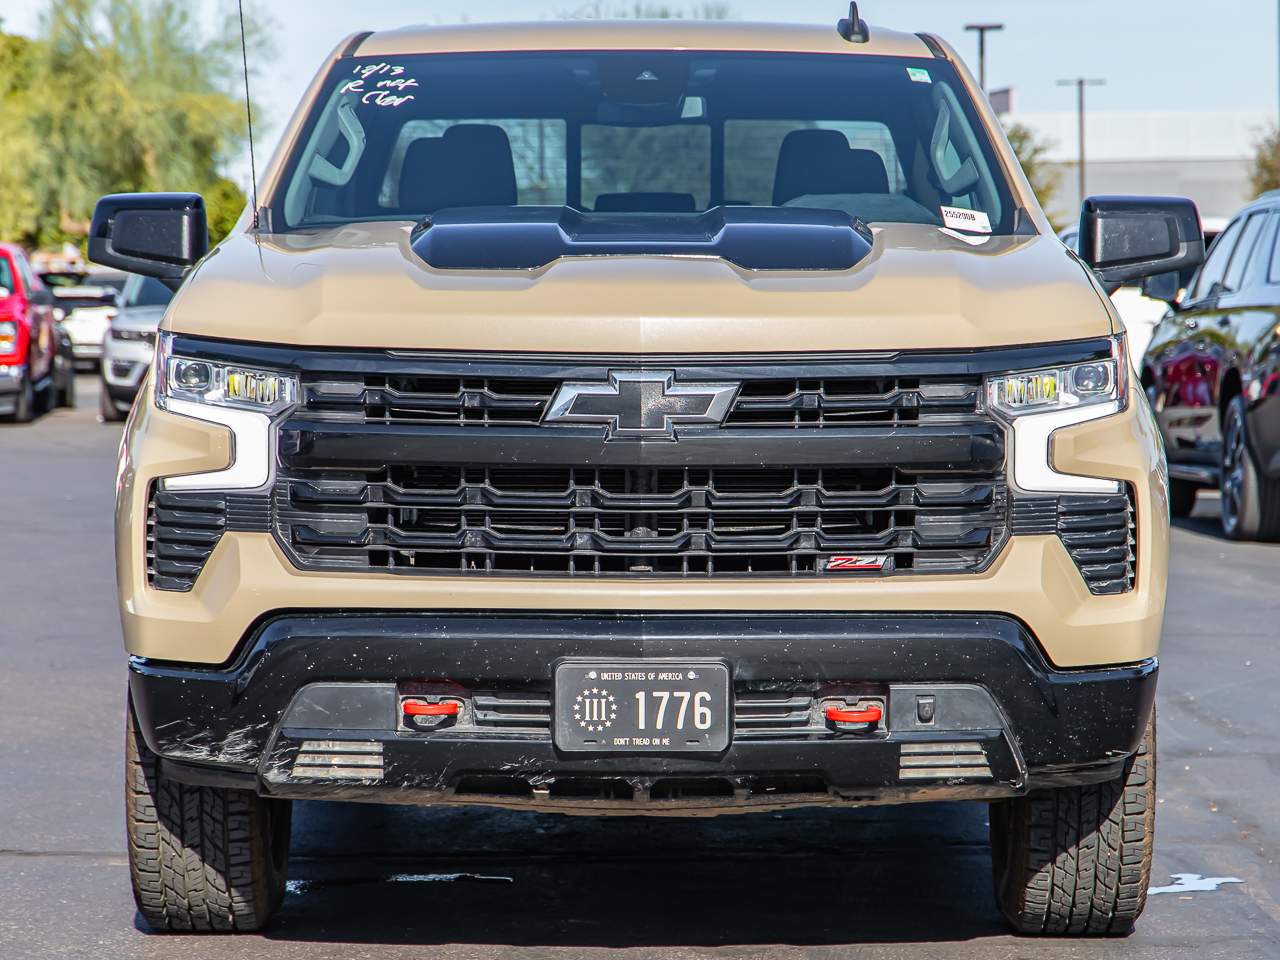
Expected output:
(363, 286)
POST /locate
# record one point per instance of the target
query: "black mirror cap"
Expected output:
(1128, 238)
(161, 235)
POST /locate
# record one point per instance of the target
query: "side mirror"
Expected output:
(5, 292)
(1129, 238)
(161, 235)
(1163, 286)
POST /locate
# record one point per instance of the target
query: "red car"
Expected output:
(36, 369)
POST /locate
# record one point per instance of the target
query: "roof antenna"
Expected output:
(855, 28)
(248, 110)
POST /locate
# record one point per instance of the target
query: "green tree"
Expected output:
(1264, 173)
(22, 155)
(1044, 178)
(131, 96)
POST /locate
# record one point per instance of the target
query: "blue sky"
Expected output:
(1154, 54)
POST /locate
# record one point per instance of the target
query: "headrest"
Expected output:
(469, 166)
(822, 162)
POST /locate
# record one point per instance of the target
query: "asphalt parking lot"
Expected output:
(392, 882)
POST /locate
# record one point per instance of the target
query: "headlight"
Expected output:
(243, 399)
(1037, 403)
(220, 384)
(8, 336)
(1061, 388)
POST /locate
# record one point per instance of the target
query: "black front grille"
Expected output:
(472, 401)
(854, 401)
(681, 521)
(1098, 530)
(522, 401)
(183, 529)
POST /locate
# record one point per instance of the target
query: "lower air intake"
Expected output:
(944, 761)
(338, 760)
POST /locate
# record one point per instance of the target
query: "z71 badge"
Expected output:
(858, 563)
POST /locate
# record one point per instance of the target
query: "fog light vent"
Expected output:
(944, 761)
(338, 760)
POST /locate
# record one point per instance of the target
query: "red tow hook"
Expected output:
(426, 715)
(861, 719)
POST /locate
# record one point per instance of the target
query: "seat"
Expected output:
(642, 202)
(817, 162)
(471, 165)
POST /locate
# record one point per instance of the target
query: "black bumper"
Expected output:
(307, 686)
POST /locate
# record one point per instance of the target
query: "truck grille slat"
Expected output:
(596, 521)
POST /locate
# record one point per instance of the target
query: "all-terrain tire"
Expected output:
(1250, 499)
(1182, 497)
(1077, 860)
(201, 858)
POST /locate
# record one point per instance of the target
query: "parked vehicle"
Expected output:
(699, 438)
(1212, 373)
(130, 343)
(35, 372)
(86, 302)
(1140, 312)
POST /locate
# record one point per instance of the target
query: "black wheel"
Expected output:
(1182, 498)
(1077, 860)
(1250, 499)
(107, 410)
(25, 408)
(201, 858)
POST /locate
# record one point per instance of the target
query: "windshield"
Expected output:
(885, 139)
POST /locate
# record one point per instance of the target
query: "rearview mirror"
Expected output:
(1129, 238)
(161, 235)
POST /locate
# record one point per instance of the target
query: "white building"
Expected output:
(1201, 154)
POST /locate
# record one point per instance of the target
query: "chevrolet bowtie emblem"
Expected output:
(647, 404)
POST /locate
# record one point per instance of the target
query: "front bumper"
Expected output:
(308, 685)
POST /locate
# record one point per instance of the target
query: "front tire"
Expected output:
(1182, 498)
(1077, 860)
(201, 858)
(1250, 499)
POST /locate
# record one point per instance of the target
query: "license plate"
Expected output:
(642, 706)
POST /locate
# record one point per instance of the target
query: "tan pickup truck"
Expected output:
(642, 418)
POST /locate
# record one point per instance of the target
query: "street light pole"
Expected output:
(982, 29)
(1080, 83)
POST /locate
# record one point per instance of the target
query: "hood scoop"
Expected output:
(753, 238)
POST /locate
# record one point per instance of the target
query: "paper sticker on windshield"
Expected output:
(919, 75)
(958, 218)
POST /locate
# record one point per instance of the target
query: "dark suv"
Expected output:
(1212, 373)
